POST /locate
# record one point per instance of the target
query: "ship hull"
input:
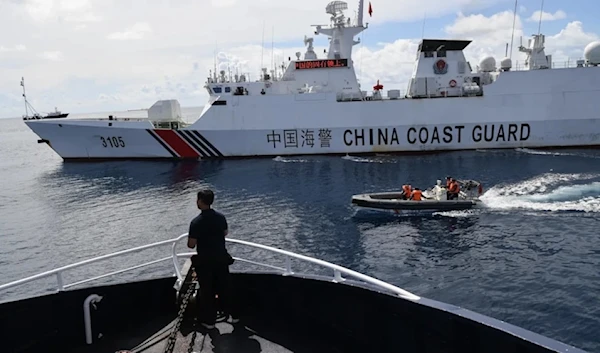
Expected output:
(80, 142)
(56, 116)
(535, 109)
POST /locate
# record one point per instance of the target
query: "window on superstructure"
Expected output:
(441, 54)
(428, 54)
(217, 89)
(227, 89)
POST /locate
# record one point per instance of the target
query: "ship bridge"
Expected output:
(442, 70)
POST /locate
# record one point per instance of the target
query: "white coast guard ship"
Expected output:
(316, 106)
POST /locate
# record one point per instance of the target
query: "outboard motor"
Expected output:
(471, 188)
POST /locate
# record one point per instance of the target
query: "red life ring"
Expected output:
(452, 83)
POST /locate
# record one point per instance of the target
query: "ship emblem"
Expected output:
(440, 67)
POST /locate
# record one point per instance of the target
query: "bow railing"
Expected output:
(174, 257)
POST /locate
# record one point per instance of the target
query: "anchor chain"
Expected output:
(192, 341)
(184, 304)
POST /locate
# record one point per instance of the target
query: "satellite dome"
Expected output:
(505, 63)
(488, 64)
(591, 53)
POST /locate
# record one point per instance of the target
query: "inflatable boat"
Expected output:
(433, 199)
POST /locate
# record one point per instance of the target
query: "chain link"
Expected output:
(192, 341)
(184, 304)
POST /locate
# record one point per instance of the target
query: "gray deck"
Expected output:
(224, 338)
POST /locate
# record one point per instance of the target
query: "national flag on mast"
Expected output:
(21, 81)
(370, 10)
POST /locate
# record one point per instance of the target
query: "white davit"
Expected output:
(315, 105)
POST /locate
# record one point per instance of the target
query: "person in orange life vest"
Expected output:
(453, 190)
(406, 191)
(416, 195)
(448, 182)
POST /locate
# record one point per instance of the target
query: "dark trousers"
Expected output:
(213, 279)
(451, 195)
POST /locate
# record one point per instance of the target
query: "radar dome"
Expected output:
(506, 64)
(488, 64)
(591, 53)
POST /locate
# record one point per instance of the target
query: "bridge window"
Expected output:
(227, 89)
(441, 54)
(217, 89)
(428, 54)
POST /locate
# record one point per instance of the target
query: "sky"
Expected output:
(110, 55)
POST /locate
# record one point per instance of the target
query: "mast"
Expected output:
(361, 4)
(513, 29)
(24, 96)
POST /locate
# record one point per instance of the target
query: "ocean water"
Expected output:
(530, 257)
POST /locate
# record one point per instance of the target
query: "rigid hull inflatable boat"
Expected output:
(281, 310)
(433, 199)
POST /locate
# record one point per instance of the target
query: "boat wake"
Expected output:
(289, 160)
(368, 160)
(550, 153)
(548, 192)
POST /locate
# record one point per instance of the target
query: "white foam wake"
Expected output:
(289, 160)
(554, 153)
(548, 192)
(379, 159)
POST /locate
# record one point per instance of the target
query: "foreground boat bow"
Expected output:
(282, 310)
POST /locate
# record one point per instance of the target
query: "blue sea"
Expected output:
(530, 257)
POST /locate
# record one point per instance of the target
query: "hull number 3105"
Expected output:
(112, 141)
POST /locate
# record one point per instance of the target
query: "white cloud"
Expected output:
(487, 30)
(18, 47)
(93, 59)
(74, 5)
(84, 17)
(43, 11)
(39, 10)
(137, 31)
(54, 55)
(547, 16)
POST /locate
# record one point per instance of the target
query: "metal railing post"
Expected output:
(337, 276)
(59, 280)
(288, 266)
(87, 319)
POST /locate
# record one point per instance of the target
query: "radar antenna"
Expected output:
(309, 41)
(335, 9)
(310, 52)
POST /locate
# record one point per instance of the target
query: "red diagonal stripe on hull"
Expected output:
(177, 143)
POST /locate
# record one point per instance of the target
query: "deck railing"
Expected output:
(174, 256)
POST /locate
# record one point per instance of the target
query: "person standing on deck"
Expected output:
(207, 233)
